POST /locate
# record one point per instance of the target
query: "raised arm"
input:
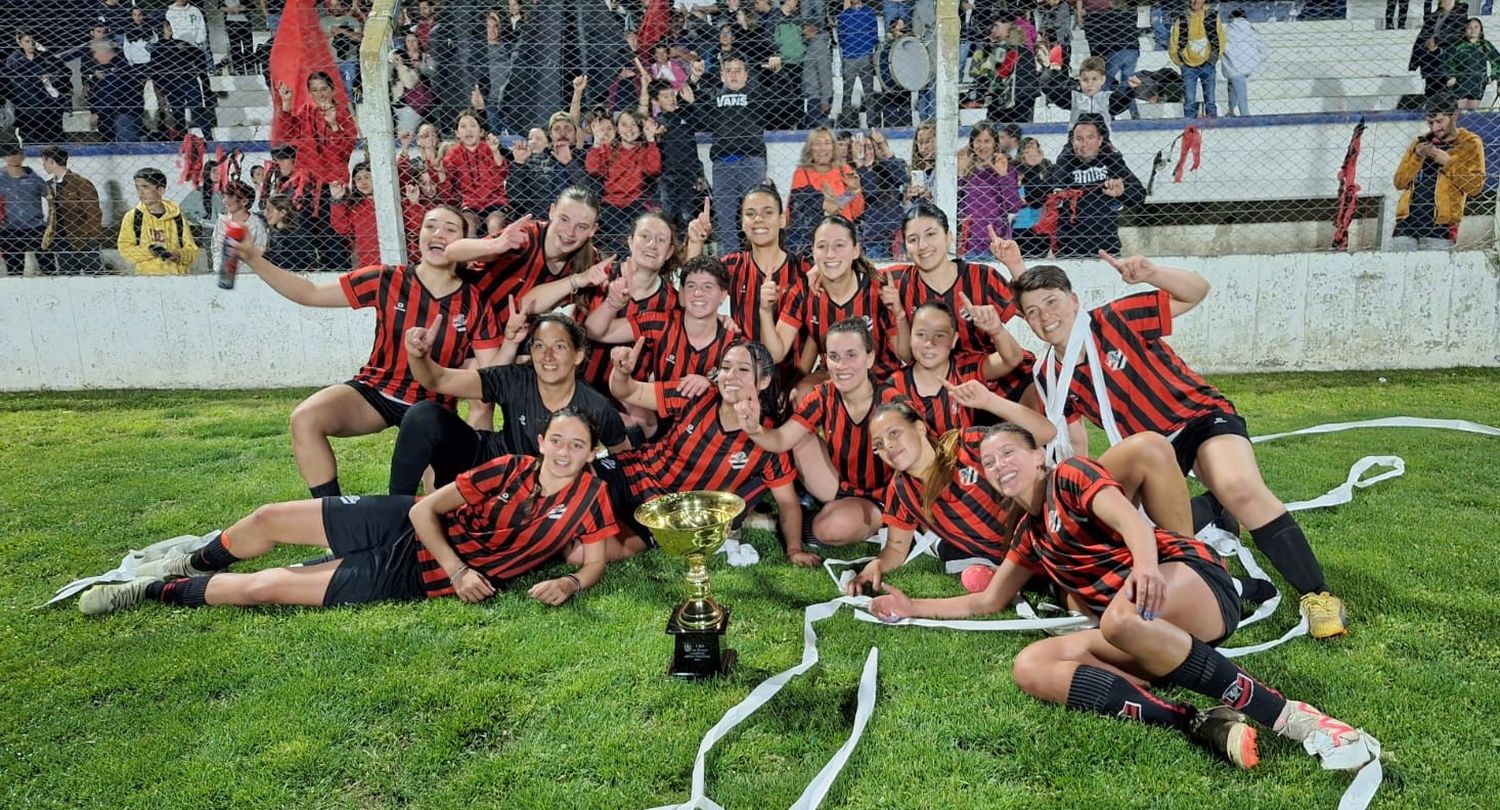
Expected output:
(976, 395)
(890, 298)
(1008, 353)
(1186, 288)
(777, 440)
(776, 335)
(453, 382)
(698, 232)
(602, 325)
(513, 238)
(292, 286)
(627, 390)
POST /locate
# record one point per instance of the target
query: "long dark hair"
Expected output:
(773, 398)
(862, 266)
(764, 187)
(923, 209)
(565, 412)
(576, 335)
(945, 452)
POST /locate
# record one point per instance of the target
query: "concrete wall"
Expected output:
(1304, 311)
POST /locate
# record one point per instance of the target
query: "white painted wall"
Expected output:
(1291, 312)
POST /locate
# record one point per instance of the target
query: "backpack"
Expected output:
(138, 218)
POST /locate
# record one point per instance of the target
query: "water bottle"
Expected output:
(229, 260)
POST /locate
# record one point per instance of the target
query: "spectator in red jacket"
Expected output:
(626, 164)
(476, 170)
(322, 129)
(353, 215)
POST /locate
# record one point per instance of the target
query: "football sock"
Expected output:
(186, 592)
(1103, 692)
(215, 555)
(1284, 543)
(1209, 673)
(328, 489)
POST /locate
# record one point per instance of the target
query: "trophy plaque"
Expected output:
(693, 525)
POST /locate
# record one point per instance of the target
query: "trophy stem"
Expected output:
(700, 611)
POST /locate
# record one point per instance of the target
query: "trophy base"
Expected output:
(699, 653)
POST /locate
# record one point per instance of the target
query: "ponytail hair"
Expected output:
(945, 452)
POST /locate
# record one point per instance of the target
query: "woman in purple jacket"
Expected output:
(988, 192)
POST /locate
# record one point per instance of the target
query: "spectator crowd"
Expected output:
(493, 122)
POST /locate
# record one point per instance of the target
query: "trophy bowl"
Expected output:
(693, 525)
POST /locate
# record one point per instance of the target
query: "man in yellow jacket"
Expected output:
(154, 236)
(1195, 45)
(1436, 176)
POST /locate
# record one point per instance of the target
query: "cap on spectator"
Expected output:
(283, 152)
(1441, 104)
(556, 117)
(8, 148)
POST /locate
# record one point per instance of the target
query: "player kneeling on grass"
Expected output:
(1163, 600)
(493, 524)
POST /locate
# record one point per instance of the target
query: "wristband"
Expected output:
(461, 569)
(577, 583)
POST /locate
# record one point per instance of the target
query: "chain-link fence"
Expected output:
(138, 128)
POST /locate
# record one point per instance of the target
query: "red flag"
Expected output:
(654, 25)
(1348, 189)
(191, 159)
(1192, 145)
(300, 50)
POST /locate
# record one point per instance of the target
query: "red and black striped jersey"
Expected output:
(1069, 544)
(823, 312)
(698, 453)
(968, 515)
(860, 471)
(507, 526)
(745, 278)
(1150, 387)
(667, 353)
(513, 273)
(663, 299)
(941, 411)
(400, 302)
(981, 283)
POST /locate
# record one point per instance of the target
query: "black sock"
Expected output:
(1207, 672)
(214, 556)
(1255, 590)
(1103, 692)
(329, 489)
(186, 592)
(1203, 511)
(1284, 543)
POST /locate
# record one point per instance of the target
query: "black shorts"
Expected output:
(1222, 585)
(391, 410)
(1199, 430)
(621, 501)
(378, 547)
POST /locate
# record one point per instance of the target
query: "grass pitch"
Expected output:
(512, 704)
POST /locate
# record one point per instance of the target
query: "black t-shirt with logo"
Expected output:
(514, 390)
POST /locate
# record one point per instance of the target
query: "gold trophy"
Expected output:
(693, 525)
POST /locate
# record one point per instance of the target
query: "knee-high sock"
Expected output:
(1103, 692)
(1209, 673)
(186, 592)
(214, 556)
(1284, 543)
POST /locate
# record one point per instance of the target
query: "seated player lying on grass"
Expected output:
(706, 446)
(936, 367)
(384, 390)
(684, 343)
(526, 394)
(1163, 599)
(493, 524)
(829, 438)
(1209, 437)
(936, 487)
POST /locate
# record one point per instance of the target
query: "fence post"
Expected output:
(375, 119)
(945, 188)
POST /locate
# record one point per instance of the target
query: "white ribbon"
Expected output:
(125, 571)
(1055, 391)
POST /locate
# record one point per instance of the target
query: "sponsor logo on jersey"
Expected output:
(400, 306)
(1054, 521)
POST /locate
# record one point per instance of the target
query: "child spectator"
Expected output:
(626, 165)
(423, 166)
(1245, 54)
(237, 198)
(1471, 65)
(1089, 96)
(353, 215)
(1112, 36)
(1196, 43)
(476, 169)
(289, 246)
(154, 236)
(821, 186)
(1035, 172)
(737, 122)
(988, 191)
(682, 184)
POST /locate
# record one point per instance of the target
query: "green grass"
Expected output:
(511, 704)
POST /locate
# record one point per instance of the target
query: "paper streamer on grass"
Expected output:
(813, 795)
(125, 571)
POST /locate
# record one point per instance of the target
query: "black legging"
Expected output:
(431, 435)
